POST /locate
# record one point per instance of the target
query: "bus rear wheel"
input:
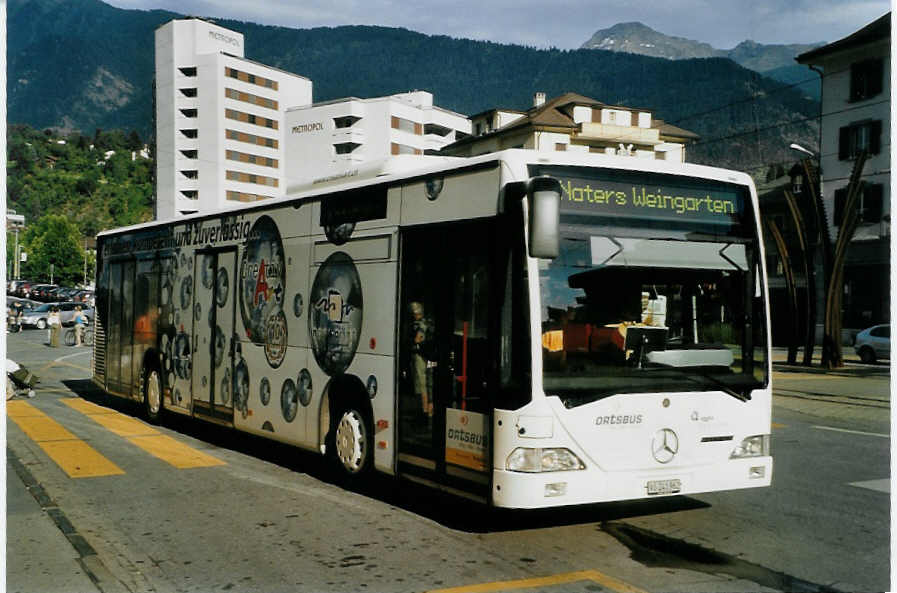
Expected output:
(351, 443)
(152, 394)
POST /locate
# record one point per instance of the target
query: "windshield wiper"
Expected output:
(746, 396)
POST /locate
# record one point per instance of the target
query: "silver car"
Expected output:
(874, 343)
(37, 317)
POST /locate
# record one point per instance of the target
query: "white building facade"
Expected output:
(220, 134)
(341, 138)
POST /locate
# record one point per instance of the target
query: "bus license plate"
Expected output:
(664, 486)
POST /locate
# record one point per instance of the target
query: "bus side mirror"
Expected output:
(543, 195)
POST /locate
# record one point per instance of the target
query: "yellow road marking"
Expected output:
(559, 579)
(84, 406)
(174, 452)
(19, 409)
(144, 436)
(123, 426)
(43, 428)
(75, 457)
(79, 460)
(777, 425)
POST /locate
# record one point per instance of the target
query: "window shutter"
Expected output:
(840, 198)
(876, 73)
(872, 198)
(875, 137)
(844, 143)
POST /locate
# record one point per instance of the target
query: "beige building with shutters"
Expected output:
(575, 123)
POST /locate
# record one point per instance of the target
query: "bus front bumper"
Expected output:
(542, 490)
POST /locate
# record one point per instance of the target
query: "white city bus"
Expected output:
(525, 329)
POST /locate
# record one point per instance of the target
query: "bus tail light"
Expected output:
(755, 446)
(536, 459)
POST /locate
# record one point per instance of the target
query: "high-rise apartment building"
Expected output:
(220, 132)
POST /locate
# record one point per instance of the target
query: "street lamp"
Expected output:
(799, 148)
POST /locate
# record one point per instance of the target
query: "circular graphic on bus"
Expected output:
(186, 292)
(335, 313)
(265, 391)
(340, 233)
(241, 387)
(219, 346)
(297, 305)
(289, 401)
(182, 356)
(223, 286)
(208, 272)
(304, 387)
(262, 279)
(276, 339)
(225, 388)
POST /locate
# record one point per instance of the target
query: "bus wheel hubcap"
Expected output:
(153, 392)
(351, 441)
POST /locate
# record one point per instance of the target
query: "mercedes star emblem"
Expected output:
(665, 445)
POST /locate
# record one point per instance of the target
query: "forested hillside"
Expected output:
(82, 65)
(97, 182)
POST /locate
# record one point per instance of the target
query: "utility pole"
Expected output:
(15, 222)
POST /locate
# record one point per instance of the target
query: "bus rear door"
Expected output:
(214, 339)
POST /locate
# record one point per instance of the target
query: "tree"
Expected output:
(54, 239)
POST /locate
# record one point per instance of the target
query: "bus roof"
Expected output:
(515, 159)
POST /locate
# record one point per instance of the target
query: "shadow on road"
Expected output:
(451, 511)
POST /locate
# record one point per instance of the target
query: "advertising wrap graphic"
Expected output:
(466, 439)
(261, 287)
(289, 400)
(335, 313)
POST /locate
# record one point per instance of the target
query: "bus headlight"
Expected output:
(535, 460)
(755, 446)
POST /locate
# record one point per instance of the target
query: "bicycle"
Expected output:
(86, 338)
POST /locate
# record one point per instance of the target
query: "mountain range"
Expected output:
(83, 65)
(774, 61)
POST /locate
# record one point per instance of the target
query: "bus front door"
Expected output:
(214, 340)
(444, 353)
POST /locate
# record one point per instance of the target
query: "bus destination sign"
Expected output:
(649, 197)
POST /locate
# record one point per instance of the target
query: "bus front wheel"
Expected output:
(152, 394)
(351, 443)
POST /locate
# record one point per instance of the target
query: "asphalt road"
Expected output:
(245, 514)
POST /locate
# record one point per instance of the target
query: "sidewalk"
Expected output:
(854, 393)
(39, 556)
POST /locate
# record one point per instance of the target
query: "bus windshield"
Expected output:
(639, 314)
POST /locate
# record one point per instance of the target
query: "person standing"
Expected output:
(80, 322)
(55, 325)
(421, 355)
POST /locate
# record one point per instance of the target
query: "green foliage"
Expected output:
(53, 239)
(75, 178)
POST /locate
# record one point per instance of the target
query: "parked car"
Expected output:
(40, 292)
(13, 286)
(24, 304)
(37, 317)
(874, 343)
(63, 293)
(84, 296)
(23, 289)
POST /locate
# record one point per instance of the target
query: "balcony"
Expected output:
(591, 132)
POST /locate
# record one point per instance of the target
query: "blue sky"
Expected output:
(566, 24)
